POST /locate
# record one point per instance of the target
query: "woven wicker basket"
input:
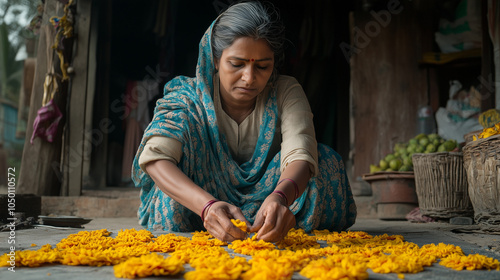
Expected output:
(441, 185)
(482, 166)
(469, 136)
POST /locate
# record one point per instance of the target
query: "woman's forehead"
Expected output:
(247, 48)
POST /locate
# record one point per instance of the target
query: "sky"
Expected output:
(23, 19)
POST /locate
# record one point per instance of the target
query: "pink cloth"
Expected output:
(46, 122)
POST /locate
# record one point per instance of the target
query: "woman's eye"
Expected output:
(236, 65)
(262, 67)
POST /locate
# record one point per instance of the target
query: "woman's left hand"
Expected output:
(273, 220)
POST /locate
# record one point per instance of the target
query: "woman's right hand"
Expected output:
(218, 221)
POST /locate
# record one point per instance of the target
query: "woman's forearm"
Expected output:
(174, 183)
(297, 171)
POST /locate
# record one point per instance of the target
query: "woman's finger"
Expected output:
(214, 228)
(268, 226)
(257, 223)
(236, 213)
(284, 221)
(231, 229)
(218, 218)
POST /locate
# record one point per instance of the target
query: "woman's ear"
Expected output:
(216, 62)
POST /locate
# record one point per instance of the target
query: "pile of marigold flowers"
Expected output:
(347, 255)
(488, 132)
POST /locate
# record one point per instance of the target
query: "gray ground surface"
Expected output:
(474, 242)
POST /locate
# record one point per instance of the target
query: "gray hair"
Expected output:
(250, 19)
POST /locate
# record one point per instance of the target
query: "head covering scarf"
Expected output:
(186, 113)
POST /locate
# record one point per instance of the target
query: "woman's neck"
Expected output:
(238, 112)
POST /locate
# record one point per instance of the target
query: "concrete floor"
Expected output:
(421, 234)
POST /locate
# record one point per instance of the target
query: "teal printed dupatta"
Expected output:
(186, 113)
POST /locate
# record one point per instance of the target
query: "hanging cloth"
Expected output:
(49, 116)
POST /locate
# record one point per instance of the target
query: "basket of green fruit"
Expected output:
(401, 157)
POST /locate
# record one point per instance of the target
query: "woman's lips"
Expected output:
(244, 89)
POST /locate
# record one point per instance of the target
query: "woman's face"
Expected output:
(244, 70)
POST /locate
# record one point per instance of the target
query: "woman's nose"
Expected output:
(248, 74)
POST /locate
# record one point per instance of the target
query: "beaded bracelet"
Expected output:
(206, 208)
(295, 184)
(283, 195)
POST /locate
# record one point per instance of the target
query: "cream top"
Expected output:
(295, 135)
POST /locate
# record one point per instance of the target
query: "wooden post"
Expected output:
(39, 172)
(76, 144)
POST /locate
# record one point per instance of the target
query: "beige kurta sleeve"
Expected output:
(160, 147)
(297, 128)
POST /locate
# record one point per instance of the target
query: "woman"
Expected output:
(237, 141)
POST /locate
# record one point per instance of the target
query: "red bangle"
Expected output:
(295, 185)
(283, 195)
(207, 205)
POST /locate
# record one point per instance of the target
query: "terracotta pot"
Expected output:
(394, 193)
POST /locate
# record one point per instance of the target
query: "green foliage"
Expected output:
(14, 16)
(10, 69)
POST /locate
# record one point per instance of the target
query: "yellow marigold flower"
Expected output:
(297, 239)
(239, 224)
(489, 131)
(336, 237)
(208, 242)
(148, 265)
(295, 259)
(33, 245)
(202, 234)
(132, 237)
(395, 264)
(166, 243)
(101, 257)
(188, 252)
(203, 238)
(249, 246)
(335, 267)
(441, 250)
(220, 267)
(268, 269)
(94, 239)
(327, 251)
(470, 262)
(44, 255)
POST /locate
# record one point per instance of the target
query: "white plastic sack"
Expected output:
(449, 129)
